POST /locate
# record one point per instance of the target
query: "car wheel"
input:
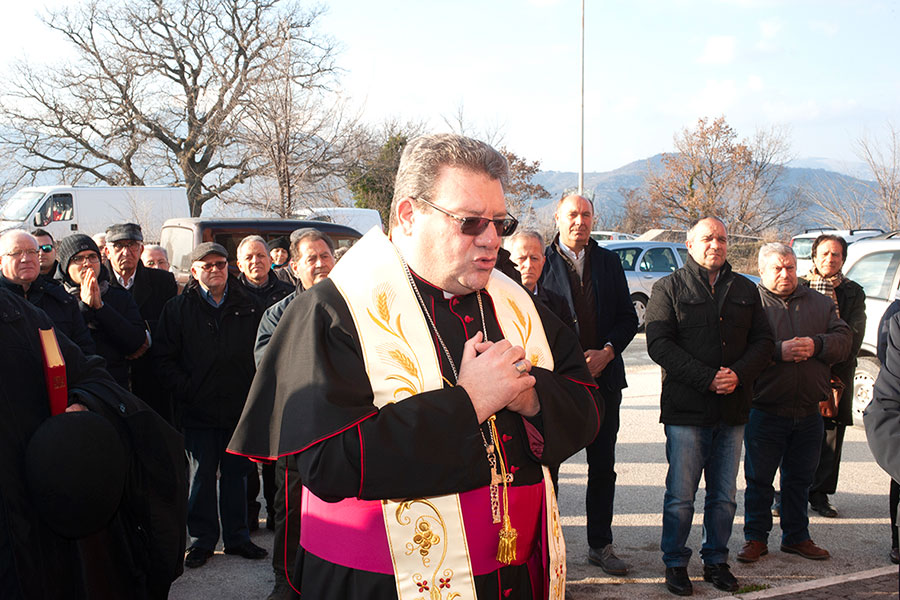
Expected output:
(867, 370)
(640, 307)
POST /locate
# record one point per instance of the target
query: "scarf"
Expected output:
(826, 285)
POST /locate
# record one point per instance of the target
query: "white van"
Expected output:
(63, 210)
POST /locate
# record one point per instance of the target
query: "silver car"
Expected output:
(644, 264)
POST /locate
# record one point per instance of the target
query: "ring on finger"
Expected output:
(521, 366)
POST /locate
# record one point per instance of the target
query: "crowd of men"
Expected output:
(418, 397)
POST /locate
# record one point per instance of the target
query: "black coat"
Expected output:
(617, 323)
(151, 289)
(117, 327)
(206, 354)
(60, 307)
(273, 291)
(692, 330)
(36, 563)
(851, 299)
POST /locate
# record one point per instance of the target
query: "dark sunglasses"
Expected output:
(45, 248)
(477, 225)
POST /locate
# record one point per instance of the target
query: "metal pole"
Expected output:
(581, 161)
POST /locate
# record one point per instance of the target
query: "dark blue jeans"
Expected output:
(795, 444)
(693, 451)
(206, 452)
(601, 486)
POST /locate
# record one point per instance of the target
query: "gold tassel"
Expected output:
(506, 551)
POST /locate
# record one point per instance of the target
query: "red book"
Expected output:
(54, 372)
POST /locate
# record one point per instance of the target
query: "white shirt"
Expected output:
(125, 283)
(576, 258)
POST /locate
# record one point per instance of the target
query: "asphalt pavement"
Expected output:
(859, 539)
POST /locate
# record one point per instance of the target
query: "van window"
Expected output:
(876, 273)
(178, 243)
(802, 247)
(20, 205)
(627, 256)
(58, 207)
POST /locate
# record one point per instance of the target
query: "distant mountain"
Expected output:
(812, 174)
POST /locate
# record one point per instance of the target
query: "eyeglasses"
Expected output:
(17, 254)
(219, 265)
(46, 248)
(477, 225)
(125, 245)
(90, 258)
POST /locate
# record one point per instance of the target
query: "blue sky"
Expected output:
(825, 70)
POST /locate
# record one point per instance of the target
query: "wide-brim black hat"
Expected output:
(75, 468)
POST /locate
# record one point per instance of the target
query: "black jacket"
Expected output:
(692, 330)
(59, 306)
(273, 291)
(851, 299)
(794, 389)
(117, 327)
(36, 563)
(151, 289)
(206, 354)
(882, 416)
(617, 323)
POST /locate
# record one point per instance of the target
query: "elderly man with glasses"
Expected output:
(422, 393)
(204, 344)
(20, 273)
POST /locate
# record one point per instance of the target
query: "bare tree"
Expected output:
(712, 172)
(843, 205)
(883, 158)
(156, 90)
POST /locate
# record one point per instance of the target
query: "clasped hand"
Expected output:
(489, 375)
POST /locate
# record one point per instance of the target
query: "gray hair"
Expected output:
(424, 157)
(155, 247)
(7, 236)
(772, 249)
(308, 233)
(250, 239)
(526, 234)
(693, 228)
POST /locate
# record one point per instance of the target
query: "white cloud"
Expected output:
(755, 83)
(716, 98)
(825, 27)
(769, 31)
(719, 50)
(543, 3)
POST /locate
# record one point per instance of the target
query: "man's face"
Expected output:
(254, 262)
(279, 255)
(779, 274)
(24, 268)
(708, 244)
(211, 272)
(155, 259)
(46, 258)
(574, 217)
(316, 262)
(124, 255)
(528, 254)
(441, 253)
(829, 258)
(86, 260)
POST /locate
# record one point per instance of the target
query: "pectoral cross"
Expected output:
(496, 480)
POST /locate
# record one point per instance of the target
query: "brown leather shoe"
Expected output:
(752, 550)
(806, 549)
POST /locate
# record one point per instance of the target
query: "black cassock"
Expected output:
(311, 396)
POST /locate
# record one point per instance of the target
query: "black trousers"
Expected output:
(826, 477)
(287, 519)
(601, 459)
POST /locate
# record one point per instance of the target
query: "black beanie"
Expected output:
(280, 242)
(71, 245)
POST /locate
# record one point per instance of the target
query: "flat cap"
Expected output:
(207, 248)
(124, 231)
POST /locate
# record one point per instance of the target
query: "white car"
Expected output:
(644, 264)
(875, 265)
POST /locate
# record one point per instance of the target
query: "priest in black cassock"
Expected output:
(423, 393)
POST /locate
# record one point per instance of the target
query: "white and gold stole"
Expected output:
(427, 536)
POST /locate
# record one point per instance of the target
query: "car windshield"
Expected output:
(20, 205)
(803, 247)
